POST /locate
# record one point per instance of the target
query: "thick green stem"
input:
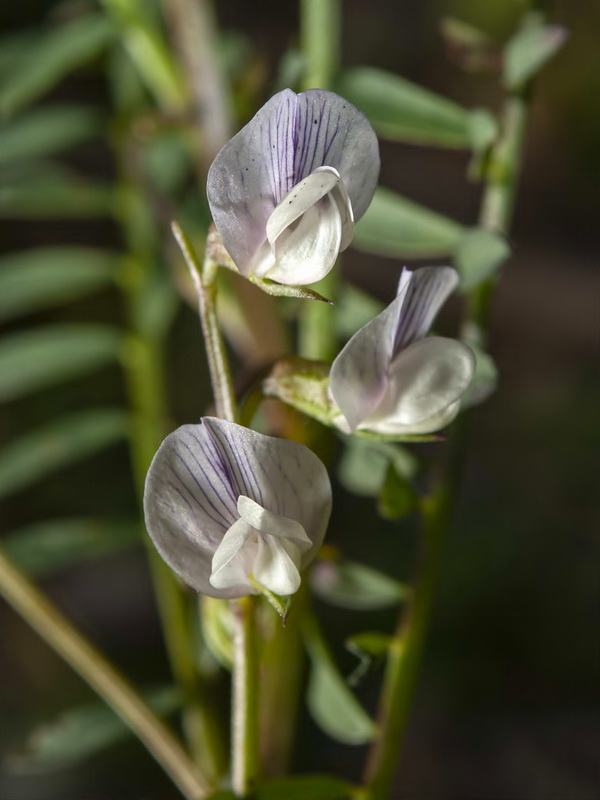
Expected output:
(407, 645)
(404, 656)
(104, 679)
(320, 30)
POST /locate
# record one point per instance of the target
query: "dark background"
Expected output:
(507, 705)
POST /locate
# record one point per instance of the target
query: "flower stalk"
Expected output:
(244, 720)
(103, 678)
(405, 654)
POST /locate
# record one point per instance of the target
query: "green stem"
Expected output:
(244, 720)
(92, 666)
(320, 22)
(195, 34)
(204, 278)
(407, 646)
(320, 25)
(143, 363)
(149, 53)
(497, 204)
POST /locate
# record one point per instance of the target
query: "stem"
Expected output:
(218, 364)
(320, 25)
(407, 646)
(497, 204)
(320, 43)
(91, 665)
(196, 38)
(143, 365)
(244, 721)
(149, 53)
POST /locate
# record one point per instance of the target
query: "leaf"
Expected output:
(483, 129)
(396, 227)
(363, 466)
(331, 703)
(45, 131)
(34, 359)
(347, 584)
(70, 439)
(46, 547)
(403, 111)
(52, 192)
(36, 279)
(80, 732)
(52, 55)
(397, 497)
(305, 787)
(528, 50)
(478, 255)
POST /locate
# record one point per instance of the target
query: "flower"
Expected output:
(389, 379)
(226, 506)
(285, 191)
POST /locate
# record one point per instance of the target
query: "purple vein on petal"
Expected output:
(202, 494)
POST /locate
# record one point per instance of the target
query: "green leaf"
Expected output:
(528, 50)
(85, 730)
(478, 255)
(46, 547)
(53, 55)
(363, 466)
(34, 359)
(347, 584)
(483, 129)
(331, 703)
(62, 442)
(396, 227)
(304, 787)
(45, 131)
(403, 111)
(397, 497)
(51, 191)
(36, 279)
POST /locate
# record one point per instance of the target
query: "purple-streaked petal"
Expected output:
(425, 382)
(427, 290)
(189, 502)
(282, 476)
(359, 374)
(288, 139)
(196, 479)
(250, 176)
(332, 132)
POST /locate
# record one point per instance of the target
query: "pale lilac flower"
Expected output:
(389, 379)
(225, 505)
(285, 191)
